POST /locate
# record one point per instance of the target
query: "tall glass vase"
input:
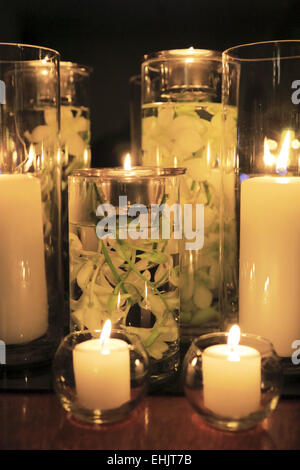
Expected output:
(124, 263)
(262, 80)
(182, 126)
(135, 117)
(30, 205)
(75, 140)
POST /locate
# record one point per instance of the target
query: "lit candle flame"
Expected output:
(127, 162)
(31, 158)
(282, 159)
(234, 336)
(190, 60)
(105, 334)
(86, 156)
(233, 341)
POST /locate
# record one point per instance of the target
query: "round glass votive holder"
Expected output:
(232, 392)
(100, 384)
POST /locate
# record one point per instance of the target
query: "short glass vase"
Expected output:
(100, 384)
(232, 393)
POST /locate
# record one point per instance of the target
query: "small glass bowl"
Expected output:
(247, 395)
(96, 388)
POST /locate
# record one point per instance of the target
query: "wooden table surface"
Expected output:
(37, 421)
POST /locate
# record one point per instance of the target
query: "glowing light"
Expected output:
(269, 159)
(295, 144)
(86, 156)
(233, 341)
(208, 154)
(105, 334)
(127, 162)
(234, 336)
(282, 161)
(31, 158)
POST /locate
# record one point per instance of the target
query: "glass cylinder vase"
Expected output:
(30, 209)
(135, 117)
(75, 140)
(124, 229)
(181, 125)
(262, 80)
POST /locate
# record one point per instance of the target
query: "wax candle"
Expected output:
(231, 378)
(23, 289)
(102, 373)
(269, 291)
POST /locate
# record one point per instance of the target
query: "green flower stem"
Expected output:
(94, 280)
(116, 275)
(112, 268)
(155, 332)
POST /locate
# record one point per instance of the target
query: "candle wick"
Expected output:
(233, 354)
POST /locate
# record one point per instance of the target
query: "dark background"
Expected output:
(113, 35)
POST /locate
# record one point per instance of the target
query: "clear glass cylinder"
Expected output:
(124, 262)
(30, 210)
(182, 126)
(135, 117)
(261, 79)
(75, 138)
(75, 118)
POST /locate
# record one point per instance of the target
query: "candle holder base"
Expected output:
(228, 409)
(99, 416)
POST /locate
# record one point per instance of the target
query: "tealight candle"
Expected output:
(102, 372)
(231, 377)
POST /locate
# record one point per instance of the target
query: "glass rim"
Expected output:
(80, 68)
(120, 172)
(27, 47)
(77, 333)
(225, 334)
(228, 53)
(179, 54)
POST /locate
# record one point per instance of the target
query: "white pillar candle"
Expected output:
(231, 380)
(269, 293)
(102, 374)
(23, 289)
